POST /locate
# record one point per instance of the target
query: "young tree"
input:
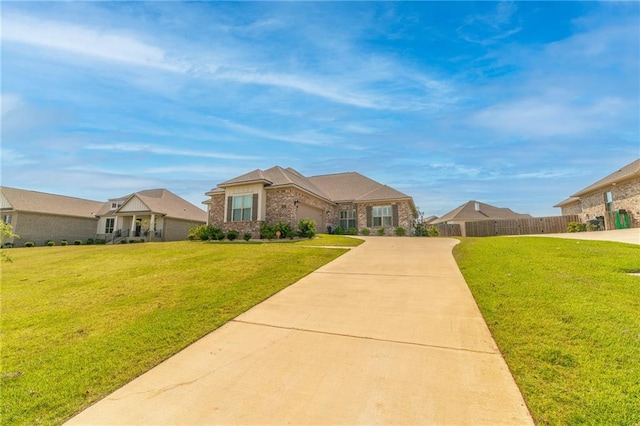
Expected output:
(6, 232)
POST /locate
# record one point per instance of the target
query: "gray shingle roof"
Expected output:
(629, 171)
(352, 186)
(340, 187)
(23, 200)
(160, 201)
(468, 212)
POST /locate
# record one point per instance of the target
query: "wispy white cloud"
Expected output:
(159, 150)
(104, 44)
(10, 102)
(490, 28)
(305, 138)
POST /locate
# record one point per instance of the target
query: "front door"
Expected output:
(138, 227)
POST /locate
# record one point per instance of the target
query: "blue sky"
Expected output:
(515, 104)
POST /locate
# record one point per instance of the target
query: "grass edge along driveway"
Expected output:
(566, 316)
(79, 322)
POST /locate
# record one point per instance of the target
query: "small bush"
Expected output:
(400, 232)
(100, 241)
(232, 234)
(267, 231)
(123, 241)
(432, 231)
(64, 242)
(246, 236)
(204, 233)
(284, 228)
(338, 231)
(8, 245)
(51, 243)
(421, 230)
(576, 227)
(30, 244)
(351, 231)
(365, 231)
(307, 228)
(90, 241)
(382, 232)
(78, 242)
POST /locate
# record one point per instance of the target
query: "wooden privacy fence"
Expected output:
(525, 226)
(449, 230)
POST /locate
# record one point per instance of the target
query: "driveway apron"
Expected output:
(386, 334)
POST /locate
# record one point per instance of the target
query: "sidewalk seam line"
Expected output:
(364, 337)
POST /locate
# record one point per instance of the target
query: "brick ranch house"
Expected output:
(615, 198)
(348, 200)
(39, 217)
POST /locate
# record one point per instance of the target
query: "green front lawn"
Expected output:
(566, 316)
(80, 321)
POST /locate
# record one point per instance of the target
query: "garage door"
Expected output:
(308, 212)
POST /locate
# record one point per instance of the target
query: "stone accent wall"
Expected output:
(626, 196)
(405, 217)
(571, 209)
(281, 207)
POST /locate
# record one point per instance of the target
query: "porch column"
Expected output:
(133, 226)
(152, 225)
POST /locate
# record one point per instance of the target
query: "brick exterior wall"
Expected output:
(571, 209)
(626, 196)
(39, 228)
(280, 207)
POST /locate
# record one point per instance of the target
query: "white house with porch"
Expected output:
(152, 215)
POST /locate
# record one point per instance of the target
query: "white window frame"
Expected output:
(382, 216)
(241, 208)
(348, 219)
(111, 220)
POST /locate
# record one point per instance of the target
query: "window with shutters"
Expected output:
(382, 216)
(242, 205)
(348, 219)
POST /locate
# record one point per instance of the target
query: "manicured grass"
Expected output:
(566, 316)
(331, 240)
(80, 321)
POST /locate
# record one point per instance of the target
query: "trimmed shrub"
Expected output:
(338, 231)
(8, 245)
(351, 231)
(232, 234)
(400, 232)
(267, 231)
(382, 232)
(90, 241)
(101, 241)
(246, 236)
(51, 243)
(432, 231)
(365, 231)
(30, 244)
(64, 242)
(77, 242)
(576, 227)
(123, 241)
(204, 233)
(307, 228)
(284, 228)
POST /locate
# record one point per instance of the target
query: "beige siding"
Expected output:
(176, 229)
(256, 188)
(134, 205)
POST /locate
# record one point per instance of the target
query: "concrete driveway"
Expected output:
(631, 236)
(386, 334)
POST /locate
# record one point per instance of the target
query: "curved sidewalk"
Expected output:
(386, 334)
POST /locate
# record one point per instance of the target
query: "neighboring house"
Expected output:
(154, 214)
(473, 211)
(348, 200)
(615, 199)
(38, 217)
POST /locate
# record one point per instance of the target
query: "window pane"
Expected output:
(237, 215)
(387, 220)
(377, 221)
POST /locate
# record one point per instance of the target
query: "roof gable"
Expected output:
(156, 201)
